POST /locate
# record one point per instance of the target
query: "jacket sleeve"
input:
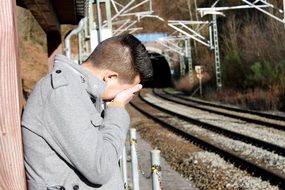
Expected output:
(93, 150)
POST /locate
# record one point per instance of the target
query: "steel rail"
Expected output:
(228, 107)
(234, 135)
(163, 116)
(188, 101)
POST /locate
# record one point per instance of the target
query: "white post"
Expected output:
(135, 173)
(68, 37)
(99, 20)
(124, 168)
(189, 57)
(155, 170)
(200, 84)
(211, 36)
(181, 60)
(79, 37)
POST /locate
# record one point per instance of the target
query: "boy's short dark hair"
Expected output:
(124, 54)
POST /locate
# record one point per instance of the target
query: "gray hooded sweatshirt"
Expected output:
(67, 143)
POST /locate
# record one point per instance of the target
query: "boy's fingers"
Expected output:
(136, 88)
(126, 95)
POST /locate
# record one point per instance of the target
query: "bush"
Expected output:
(233, 70)
(265, 75)
(256, 99)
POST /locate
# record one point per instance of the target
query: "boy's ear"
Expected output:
(110, 75)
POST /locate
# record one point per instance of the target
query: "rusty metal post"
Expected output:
(12, 173)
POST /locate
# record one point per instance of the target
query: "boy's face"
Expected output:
(114, 86)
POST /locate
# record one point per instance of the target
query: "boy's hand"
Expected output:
(125, 96)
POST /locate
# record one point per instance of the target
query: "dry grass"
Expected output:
(257, 99)
(33, 49)
(33, 60)
(184, 84)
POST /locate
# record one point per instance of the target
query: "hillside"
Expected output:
(33, 50)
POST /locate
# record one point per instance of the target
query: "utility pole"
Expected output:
(99, 20)
(181, 59)
(101, 32)
(188, 53)
(217, 52)
(213, 29)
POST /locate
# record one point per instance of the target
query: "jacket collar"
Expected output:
(95, 86)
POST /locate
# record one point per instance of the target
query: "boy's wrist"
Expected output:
(116, 103)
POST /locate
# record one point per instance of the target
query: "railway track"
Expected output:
(276, 116)
(175, 121)
(253, 139)
(260, 118)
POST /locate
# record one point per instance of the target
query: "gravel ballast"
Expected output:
(207, 170)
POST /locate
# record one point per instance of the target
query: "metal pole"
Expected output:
(123, 9)
(135, 173)
(181, 64)
(90, 24)
(265, 12)
(217, 53)
(200, 82)
(191, 30)
(190, 65)
(124, 168)
(67, 39)
(137, 5)
(155, 170)
(189, 35)
(108, 13)
(99, 20)
(91, 27)
(181, 60)
(186, 48)
(211, 36)
(127, 28)
(79, 48)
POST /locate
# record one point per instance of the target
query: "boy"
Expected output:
(68, 142)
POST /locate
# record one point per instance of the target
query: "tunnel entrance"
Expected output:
(161, 72)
